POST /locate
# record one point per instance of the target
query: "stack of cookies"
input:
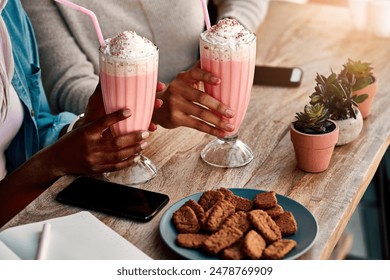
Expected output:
(233, 227)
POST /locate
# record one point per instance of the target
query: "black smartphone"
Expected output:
(112, 198)
(278, 76)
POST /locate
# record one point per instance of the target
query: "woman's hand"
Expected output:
(185, 105)
(91, 148)
(95, 107)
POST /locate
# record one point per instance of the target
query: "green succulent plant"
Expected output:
(336, 95)
(358, 74)
(313, 120)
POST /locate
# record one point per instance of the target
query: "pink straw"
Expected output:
(206, 14)
(90, 14)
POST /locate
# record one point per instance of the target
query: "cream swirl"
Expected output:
(228, 32)
(129, 45)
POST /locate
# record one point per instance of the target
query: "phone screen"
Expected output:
(112, 198)
(278, 76)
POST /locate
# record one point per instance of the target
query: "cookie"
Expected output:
(227, 194)
(221, 239)
(265, 200)
(238, 220)
(209, 198)
(274, 211)
(234, 252)
(218, 214)
(190, 240)
(253, 245)
(243, 204)
(279, 249)
(185, 220)
(198, 209)
(264, 224)
(287, 223)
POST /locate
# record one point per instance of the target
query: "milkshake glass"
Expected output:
(228, 51)
(128, 75)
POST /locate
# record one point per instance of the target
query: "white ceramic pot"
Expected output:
(349, 129)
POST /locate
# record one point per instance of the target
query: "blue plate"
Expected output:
(305, 236)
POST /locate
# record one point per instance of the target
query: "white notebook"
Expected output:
(80, 236)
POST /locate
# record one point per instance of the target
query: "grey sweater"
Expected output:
(68, 44)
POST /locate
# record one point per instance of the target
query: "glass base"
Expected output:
(227, 152)
(140, 172)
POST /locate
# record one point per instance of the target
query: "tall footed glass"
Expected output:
(130, 82)
(234, 63)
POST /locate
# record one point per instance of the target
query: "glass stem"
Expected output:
(230, 138)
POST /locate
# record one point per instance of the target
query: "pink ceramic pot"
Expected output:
(365, 106)
(313, 151)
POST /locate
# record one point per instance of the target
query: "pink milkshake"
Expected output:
(128, 75)
(228, 51)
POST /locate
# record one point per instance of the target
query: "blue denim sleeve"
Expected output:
(49, 125)
(40, 128)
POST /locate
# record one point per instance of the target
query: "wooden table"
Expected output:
(315, 38)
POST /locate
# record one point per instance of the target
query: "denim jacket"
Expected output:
(40, 128)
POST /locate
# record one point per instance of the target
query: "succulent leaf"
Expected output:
(335, 93)
(313, 119)
(360, 98)
(359, 74)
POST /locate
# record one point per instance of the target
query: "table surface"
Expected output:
(316, 38)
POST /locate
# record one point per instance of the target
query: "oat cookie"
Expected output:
(199, 211)
(264, 224)
(243, 204)
(287, 223)
(227, 194)
(275, 211)
(185, 220)
(253, 245)
(221, 239)
(218, 214)
(238, 220)
(234, 252)
(209, 198)
(279, 249)
(265, 200)
(190, 240)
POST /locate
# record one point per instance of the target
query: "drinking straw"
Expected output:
(90, 14)
(206, 14)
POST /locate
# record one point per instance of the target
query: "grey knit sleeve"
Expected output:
(68, 86)
(249, 13)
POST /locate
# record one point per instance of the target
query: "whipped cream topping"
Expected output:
(129, 45)
(229, 33)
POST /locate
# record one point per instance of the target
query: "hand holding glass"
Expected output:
(235, 67)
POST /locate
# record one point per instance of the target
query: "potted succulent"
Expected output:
(360, 76)
(314, 137)
(336, 95)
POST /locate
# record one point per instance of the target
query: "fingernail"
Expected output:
(137, 158)
(126, 112)
(145, 134)
(144, 145)
(215, 80)
(229, 113)
(229, 127)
